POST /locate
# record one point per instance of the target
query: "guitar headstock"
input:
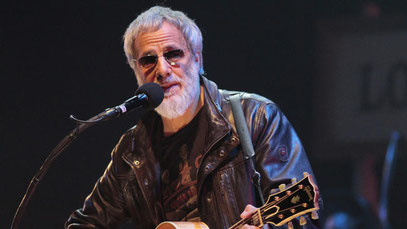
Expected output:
(298, 199)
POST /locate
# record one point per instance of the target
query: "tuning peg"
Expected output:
(294, 180)
(281, 187)
(305, 174)
(290, 225)
(314, 215)
(303, 221)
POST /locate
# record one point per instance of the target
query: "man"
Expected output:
(184, 161)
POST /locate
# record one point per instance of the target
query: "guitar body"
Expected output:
(182, 225)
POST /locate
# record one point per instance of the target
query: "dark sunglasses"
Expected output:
(172, 57)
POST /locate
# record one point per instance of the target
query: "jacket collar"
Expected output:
(218, 124)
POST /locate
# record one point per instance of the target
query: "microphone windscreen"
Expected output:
(154, 92)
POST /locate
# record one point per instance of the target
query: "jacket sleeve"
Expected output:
(279, 150)
(105, 206)
(280, 155)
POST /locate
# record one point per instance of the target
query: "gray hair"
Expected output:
(151, 20)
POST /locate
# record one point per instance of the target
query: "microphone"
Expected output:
(148, 95)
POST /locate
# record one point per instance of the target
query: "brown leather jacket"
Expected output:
(130, 186)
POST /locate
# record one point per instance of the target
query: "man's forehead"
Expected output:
(166, 36)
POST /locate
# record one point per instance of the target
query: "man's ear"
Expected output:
(198, 57)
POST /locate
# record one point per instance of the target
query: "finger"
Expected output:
(248, 211)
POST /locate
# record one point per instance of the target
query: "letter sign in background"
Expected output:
(360, 94)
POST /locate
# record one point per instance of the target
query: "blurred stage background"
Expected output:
(338, 70)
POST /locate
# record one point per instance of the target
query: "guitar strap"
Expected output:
(245, 140)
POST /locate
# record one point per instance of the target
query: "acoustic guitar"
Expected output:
(299, 199)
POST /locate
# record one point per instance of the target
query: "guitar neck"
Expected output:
(255, 220)
(299, 199)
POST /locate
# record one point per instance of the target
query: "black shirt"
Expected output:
(181, 155)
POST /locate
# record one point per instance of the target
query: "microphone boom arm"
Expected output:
(133, 102)
(62, 145)
(149, 95)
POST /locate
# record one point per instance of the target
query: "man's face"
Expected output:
(175, 69)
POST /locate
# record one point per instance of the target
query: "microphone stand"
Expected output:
(62, 145)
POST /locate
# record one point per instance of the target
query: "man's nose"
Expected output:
(163, 68)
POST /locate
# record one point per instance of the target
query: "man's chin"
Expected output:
(168, 113)
(170, 108)
(168, 99)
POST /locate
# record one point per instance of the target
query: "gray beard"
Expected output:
(177, 105)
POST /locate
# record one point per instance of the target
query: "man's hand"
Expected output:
(248, 211)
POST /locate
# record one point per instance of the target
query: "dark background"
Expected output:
(65, 57)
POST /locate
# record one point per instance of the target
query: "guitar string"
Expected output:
(240, 223)
(254, 218)
(245, 221)
(290, 208)
(276, 201)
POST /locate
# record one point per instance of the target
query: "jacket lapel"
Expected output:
(142, 159)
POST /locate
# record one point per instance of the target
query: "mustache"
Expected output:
(169, 80)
